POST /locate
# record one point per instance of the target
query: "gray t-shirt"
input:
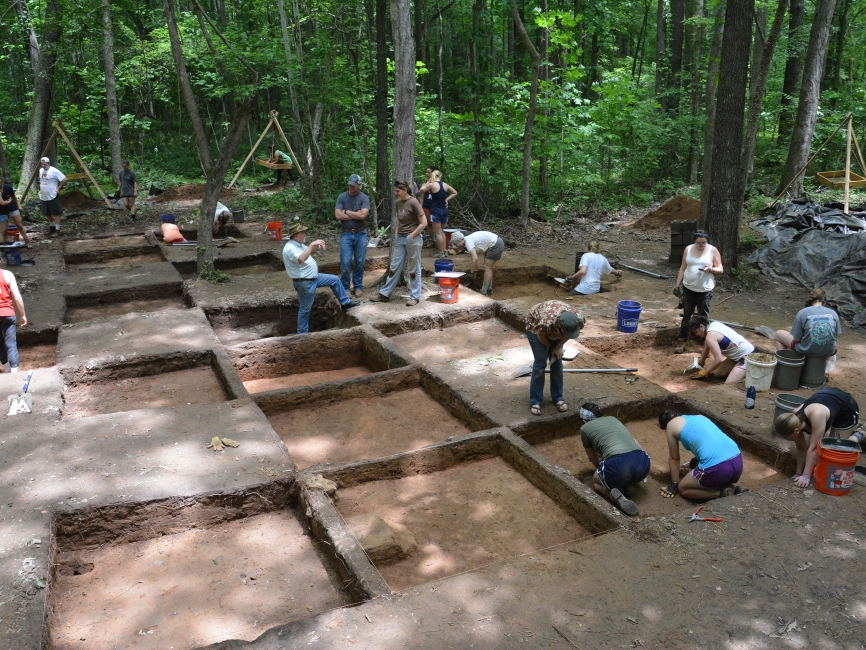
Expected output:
(128, 179)
(353, 203)
(816, 329)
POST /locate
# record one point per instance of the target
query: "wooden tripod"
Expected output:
(275, 123)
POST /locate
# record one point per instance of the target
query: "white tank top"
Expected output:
(737, 346)
(694, 278)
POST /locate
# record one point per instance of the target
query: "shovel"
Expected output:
(524, 371)
(760, 329)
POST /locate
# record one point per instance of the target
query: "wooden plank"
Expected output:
(252, 151)
(848, 163)
(59, 126)
(267, 163)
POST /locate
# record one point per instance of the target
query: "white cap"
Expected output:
(46, 159)
(457, 237)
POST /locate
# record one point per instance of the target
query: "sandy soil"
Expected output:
(461, 518)
(179, 388)
(79, 314)
(357, 429)
(535, 290)
(304, 379)
(118, 262)
(678, 208)
(104, 243)
(189, 192)
(37, 356)
(465, 341)
(192, 589)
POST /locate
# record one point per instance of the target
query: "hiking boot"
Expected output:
(378, 297)
(350, 304)
(627, 506)
(411, 302)
(358, 293)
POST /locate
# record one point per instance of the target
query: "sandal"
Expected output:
(535, 409)
(740, 490)
(726, 492)
(561, 406)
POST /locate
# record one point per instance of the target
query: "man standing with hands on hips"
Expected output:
(51, 181)
(352, 209)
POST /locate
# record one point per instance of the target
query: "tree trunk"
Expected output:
(43, 87)
(545, 47)
(214, 171)
(110, 90)
(810, 91)
(420, 52)
(383, 168)
(710, 108)
(793, 68)
(32, 41)
(678, 16)
(660, 52)
(758, 41)
(757, 90)
(530, 115)
(697, 38)
(297, 126)
(404, 94)
(476, 91)
(726, 188)
(4, 166)
(440, 75)
(840, 44)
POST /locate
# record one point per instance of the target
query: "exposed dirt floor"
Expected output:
(136, 259)
(466, 341)
(104, 244)
(178, 388)
(461, 518)
(37, 356)
(304, 379)
(372, 427)
(190, 589)
(81, 314)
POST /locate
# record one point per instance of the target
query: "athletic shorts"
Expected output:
(622, 470)
(4, 217)
(52, 207)
(15, 213)
(494, 253)
(440, 216)
(720, 476)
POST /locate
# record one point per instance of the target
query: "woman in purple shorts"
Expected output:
(717, 464)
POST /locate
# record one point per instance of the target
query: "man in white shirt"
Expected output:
(51, 181)
(304, 272)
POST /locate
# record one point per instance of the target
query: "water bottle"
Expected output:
(750, 397)
(830, 365)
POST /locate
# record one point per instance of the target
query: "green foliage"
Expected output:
(213, 275)
(744, 277)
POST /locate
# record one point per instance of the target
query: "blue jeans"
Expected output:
(536, 385)
(353, 244)
(409, 252)
(8, 343)
(307, 293)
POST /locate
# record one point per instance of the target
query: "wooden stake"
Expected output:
(253, 151)
(848, 163)
(36, 171)
(859, 153)
(59, 126)
(288, 146)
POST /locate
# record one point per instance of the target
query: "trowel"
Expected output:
(694, 366)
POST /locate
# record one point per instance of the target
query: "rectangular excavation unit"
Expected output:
(234, 324)
(256, 264)
(461, 341)
(528, 283)
(186, 573)
(110, 260)
(37, 355)
(126, 301)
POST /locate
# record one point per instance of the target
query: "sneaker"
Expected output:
(440, 255)
(411, 302)
(627, 506)
(378, 297)
(350, 304)
(358, 293)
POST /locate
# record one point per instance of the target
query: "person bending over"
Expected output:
(618, 458)
(488, 243)
(717, 464)
(592, 266)
(728, 349)
(827, 411)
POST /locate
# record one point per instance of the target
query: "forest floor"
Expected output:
(119, 528)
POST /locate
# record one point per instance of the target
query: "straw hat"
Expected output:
(295, 228)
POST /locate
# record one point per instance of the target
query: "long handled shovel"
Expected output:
(760, 329)
(524, 371)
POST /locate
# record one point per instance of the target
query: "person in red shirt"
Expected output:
(10, 299)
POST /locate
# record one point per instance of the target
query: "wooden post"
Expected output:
(36, 171)
(859, 153)
(59, 126)
(283, 136)
(252, 151)
(848, 162)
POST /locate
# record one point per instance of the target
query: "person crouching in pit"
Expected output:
(618, 458)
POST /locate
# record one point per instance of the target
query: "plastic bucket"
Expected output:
(168, 218)
(448, 232)
(275, 230)
(628, 316)
(759, 371)
(813, 372)
(12, 231)
(449, 290)
(442, 266)
(789, 364)
(786, 403)
(13, 258)
(834, 472)
(238, 215)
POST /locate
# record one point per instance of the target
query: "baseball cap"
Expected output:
(570, 324)
(354, 180)
(46, 159)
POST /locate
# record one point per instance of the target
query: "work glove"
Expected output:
(700, 375)
(470, 283)
(557, 355)
(670, 491)
(228, 442)
(677, 291)
(215, 444)
(803, 481)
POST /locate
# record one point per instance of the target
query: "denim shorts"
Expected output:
(622, 470)
(720, 476)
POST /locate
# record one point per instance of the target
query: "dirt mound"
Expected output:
(189, 192)
(77, 200)
(679, 207)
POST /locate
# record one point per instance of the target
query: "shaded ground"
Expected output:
(304, 379)
(81, 314)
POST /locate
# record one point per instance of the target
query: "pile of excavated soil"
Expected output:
(189, 192)
(679, 207)
(77, 200)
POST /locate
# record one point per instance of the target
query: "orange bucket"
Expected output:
(834, 472)
(449, 290)
(275, 230)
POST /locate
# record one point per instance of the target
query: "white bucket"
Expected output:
(759, 371)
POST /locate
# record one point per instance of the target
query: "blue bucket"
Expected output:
(13, 258)
(628, 316)
(168, 218)
(442, 266)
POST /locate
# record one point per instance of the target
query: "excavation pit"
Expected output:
(191, 234)
(90, 309)
(280, 363)
(191, 583)
(255, 265)
(528, 284)
(460, 518)
(462, 341)
(240, 324)
(111, 260)
(39, 355)
(104, 246)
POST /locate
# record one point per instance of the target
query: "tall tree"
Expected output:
(841, 34)
(43, 88)
(810, 91)
(660, 51)
(383, 169)
(530, 114)
(710, 108)
(757, 90)
(793, 68)
(404, 94)
(296, 130)
(110, 89)
(678, 16)
(726, 187)
(214, 170)
(696, 39)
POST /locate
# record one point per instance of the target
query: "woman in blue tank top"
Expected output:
(440, 193)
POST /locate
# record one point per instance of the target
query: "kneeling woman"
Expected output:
(717, 464)
(827, 411)
(728, 348)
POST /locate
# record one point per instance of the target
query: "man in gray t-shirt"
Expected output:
(351, 211)
(815, 330)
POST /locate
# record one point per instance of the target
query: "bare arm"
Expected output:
(818, 417)
(673, 455)
(451, 192)
(580, 273)
(16, 298)
(711, 346)
(716, 268)
(682, 270)
(590, 453)
(473, 256)
(309, 250)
